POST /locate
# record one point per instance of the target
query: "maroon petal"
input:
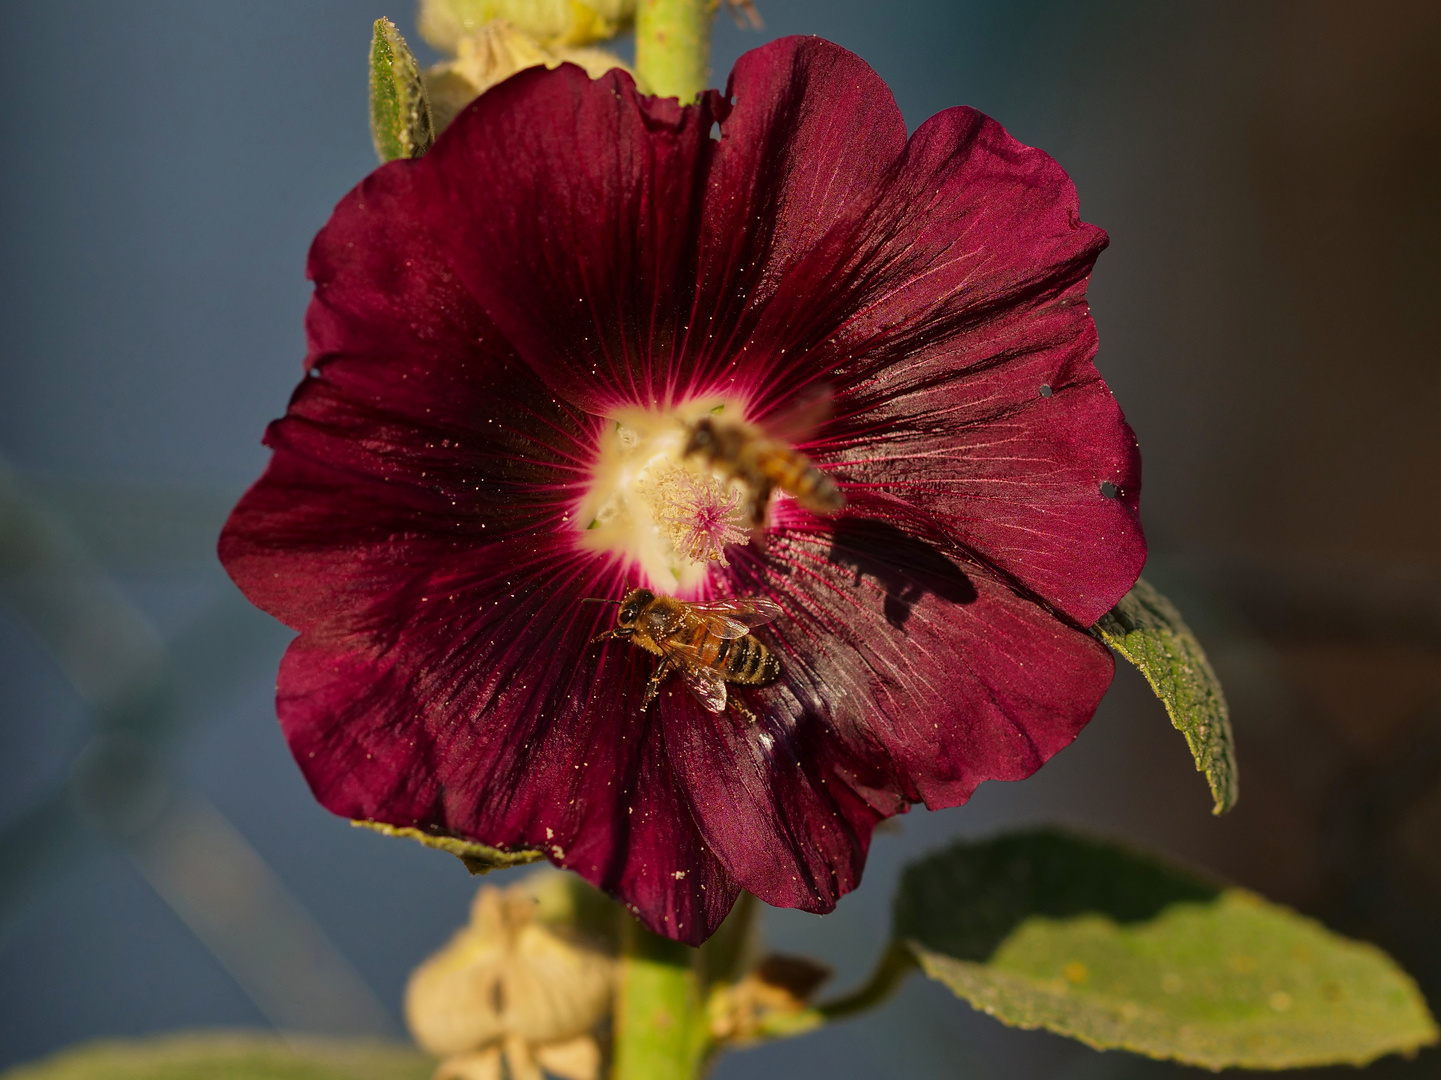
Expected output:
(787, 808)
(948, 314)
(974, 395)
(910, 675)
(635, 254)
(381, 287)
(582, 195)
(472, 705)
(417, 434)
(958, 677)
(808, 134)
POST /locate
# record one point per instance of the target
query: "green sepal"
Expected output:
(1121, 951)
(1146, 629)
(230, 1055)
(565, 901)
(400, 123)
(478, 858)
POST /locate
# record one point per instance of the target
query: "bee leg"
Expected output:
(760, 513)
(652, 688)
(761, 505)
(620, 634)
(745, 714)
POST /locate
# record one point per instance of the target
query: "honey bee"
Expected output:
(762, 464)
(708, 642)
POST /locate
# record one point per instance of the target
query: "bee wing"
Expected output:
(807, 411)
(702, 680)
(735, 616)
(706, 685)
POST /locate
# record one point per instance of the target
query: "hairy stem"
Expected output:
(661, 1031)
(896, 963)
(672, 46)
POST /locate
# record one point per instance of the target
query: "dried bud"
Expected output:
(777, 986)
(445, 23)
(578, 1059)
(491, 54)
(511, 985)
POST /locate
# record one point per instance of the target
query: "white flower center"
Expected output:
(670, 514)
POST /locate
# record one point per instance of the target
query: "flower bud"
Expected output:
(511, 984)
(445, 23)
(577, 1059)
(400, 123)
(493, 53)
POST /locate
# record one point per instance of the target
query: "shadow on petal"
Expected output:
(906, 567)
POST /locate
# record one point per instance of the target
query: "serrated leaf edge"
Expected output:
(933, 963)
(1219, 751)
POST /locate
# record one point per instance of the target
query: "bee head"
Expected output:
(633, 604)
(702, 437)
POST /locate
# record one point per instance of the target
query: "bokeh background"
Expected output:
(1268, 314)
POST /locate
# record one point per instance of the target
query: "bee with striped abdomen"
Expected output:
(762, 464)
(708, 642)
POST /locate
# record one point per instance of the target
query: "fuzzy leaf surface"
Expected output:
(400, 123)
(229, 1056)
(1146, 629)
(1120, 951)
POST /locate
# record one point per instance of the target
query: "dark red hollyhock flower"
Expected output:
(507, 339)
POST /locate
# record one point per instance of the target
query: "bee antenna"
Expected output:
(596, 600)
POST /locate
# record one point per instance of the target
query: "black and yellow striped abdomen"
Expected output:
(793, 473)
(738, 660)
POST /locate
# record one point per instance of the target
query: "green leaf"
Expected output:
(478, 858)
(230, 1056)
(1147, 630)
(1090, 940)
(400, 121)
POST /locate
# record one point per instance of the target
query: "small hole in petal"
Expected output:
(715, 131)
(1046, 390)
(1108, 489)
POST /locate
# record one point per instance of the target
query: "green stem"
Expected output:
(672, 46)
(661, 1031)
(895, 964)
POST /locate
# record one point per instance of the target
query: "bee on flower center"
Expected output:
(707, 642)
(761, 464)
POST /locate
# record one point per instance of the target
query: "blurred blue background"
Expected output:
(1268, 313)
